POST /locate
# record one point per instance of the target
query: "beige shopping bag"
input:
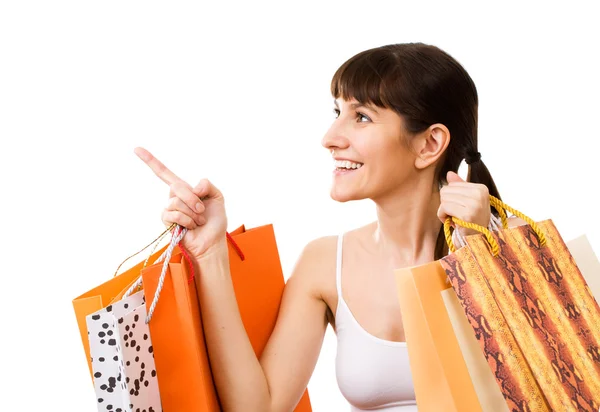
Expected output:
(588, 263)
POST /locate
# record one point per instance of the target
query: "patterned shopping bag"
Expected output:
(122, 357)
(532, 313)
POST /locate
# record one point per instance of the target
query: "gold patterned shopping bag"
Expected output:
(532, 313)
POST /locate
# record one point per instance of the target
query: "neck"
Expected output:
(407, 225)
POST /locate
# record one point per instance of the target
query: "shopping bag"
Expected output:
(122, 357)
(588, 263)
(440, 376)
(258, 282)
(182, 363)
(103, 295)
(182, 366)
(483, 379)
(533, 314)
(503, 354)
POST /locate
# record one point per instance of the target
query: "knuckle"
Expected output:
(169, 220)
(172, 204)
(183, 220)
(173, 190)
(202, 183)
(179, 187)
(483, 189)
(191, 200)
(180, 206)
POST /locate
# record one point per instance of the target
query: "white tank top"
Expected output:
(373, 374)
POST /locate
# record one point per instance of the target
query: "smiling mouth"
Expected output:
(346, 165)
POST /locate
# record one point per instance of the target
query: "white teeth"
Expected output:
(346, 164)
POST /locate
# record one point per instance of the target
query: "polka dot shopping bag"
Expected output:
(116, 340)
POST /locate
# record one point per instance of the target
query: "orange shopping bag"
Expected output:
(441, 379)
(102, 296)
(182, 363)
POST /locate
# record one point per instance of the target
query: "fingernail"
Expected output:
(198, 207)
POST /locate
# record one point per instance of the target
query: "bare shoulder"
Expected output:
(322, 252)
(318, 252)
(315, 267)
(319, 248)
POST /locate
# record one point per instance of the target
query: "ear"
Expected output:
(431, 145)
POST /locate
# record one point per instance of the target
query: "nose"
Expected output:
(335, 138)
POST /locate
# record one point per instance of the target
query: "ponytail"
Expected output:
(479, 173)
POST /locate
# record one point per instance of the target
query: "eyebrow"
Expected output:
(355, 106)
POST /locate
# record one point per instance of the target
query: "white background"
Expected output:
(239, 93)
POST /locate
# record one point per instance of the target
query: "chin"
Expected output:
(344, 196)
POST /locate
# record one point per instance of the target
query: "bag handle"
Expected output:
(486, 232)
(138, 284)
(501, 207)
(155, 242)
(495, 222)
(178, 234)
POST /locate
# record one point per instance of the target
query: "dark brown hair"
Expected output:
(424, 85)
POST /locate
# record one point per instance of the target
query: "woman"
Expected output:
(406, 117)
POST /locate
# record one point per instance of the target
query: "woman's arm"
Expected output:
(277, 381)
(243, 383)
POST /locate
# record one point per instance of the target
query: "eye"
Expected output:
(336, 113)
(362, 118)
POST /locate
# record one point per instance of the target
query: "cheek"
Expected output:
(392, 161)
(381, 149)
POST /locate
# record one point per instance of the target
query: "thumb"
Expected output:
(206, 190)
(452, 177)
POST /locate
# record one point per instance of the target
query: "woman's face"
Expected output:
(367, 146)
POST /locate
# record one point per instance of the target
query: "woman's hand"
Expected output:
(200, 209)
(467, 201)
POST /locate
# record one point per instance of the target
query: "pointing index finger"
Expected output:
(156, 165)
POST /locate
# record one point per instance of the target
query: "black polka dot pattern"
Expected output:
(122, 359)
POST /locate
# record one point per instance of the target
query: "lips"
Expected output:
(342, 164)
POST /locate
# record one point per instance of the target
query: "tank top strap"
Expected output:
(338, 268)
